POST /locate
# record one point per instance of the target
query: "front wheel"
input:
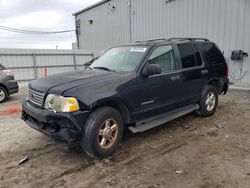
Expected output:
(208, 102)
(102, 132)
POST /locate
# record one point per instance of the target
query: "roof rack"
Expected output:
(173, 39)
(190, 39)
(152, 40)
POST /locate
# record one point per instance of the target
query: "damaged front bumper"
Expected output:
(62, 127)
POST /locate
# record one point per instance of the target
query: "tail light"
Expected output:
(227, 72)
(8, 72)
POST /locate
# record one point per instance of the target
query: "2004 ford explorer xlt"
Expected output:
(138, 86)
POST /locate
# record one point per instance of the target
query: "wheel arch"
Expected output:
(216, 82)
(5, 87)
(116, 104)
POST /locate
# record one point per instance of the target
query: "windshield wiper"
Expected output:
(104, 68)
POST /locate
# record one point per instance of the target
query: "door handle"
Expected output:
(177, 77)
(205, 71)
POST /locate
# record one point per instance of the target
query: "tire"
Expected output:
(100, 135)
(208, 102)
(3, 94)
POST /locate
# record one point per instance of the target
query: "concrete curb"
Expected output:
(239, 87)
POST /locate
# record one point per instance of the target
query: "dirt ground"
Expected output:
(187, 152)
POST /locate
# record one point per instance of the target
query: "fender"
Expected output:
(216, 81)
(117, 103)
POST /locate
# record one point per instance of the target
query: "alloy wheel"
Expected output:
(210, 101)
(108, 133)
(2, 95)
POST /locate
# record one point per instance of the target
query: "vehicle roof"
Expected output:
(170, 40)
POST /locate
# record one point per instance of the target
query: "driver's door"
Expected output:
(161, 92)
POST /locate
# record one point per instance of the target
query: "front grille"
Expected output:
(36, 97)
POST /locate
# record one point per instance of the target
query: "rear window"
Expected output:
(2, 67)
(187, 55)
(213, 54)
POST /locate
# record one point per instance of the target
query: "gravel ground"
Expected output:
(187, 152)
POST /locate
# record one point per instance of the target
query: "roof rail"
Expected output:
(190, 39)
(152, 40)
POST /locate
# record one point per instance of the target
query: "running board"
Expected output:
(155, 121)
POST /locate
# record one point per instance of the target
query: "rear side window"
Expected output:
(187, 55)
(213, 54)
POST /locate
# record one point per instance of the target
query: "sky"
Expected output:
(39, 15)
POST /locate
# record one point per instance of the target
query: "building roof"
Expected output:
(90, 7)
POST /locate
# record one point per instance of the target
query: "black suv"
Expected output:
(8, 84)
(138, 86)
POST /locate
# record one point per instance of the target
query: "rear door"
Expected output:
(194, 72)
(159, 93)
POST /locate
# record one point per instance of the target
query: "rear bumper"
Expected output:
(63, 127)
(223, 86)
(12, 86)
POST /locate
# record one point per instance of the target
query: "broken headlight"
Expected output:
(58, 103)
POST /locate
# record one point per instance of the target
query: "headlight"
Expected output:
(57, 103)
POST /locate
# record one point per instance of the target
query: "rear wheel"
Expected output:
(208, 102)
(102, 133)
(3, 94)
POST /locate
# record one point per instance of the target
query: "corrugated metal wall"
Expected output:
(28, 64)
(110, 27)
(227, 22)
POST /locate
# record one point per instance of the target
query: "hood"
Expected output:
(60, 83)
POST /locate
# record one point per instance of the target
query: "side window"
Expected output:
(164, 56)
(213, 54)
(187, 55)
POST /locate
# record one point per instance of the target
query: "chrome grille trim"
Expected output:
(36, 97)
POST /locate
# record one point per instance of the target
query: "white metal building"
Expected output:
(115, 22)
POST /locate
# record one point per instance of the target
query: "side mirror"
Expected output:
(151, 69)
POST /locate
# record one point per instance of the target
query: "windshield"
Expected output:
(120, 59)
